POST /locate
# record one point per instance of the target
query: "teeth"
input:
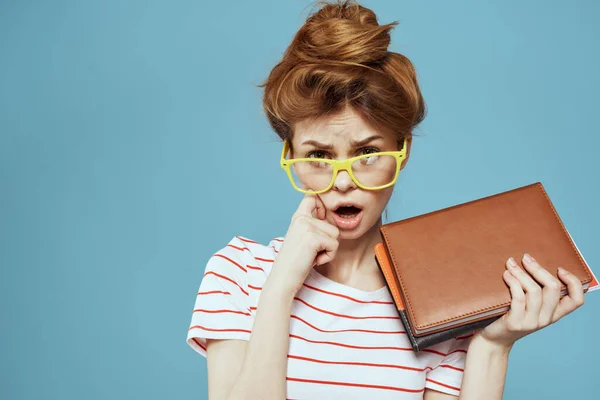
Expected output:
(348, 216)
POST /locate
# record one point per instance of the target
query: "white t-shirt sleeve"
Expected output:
(447, 376)
(222, 306)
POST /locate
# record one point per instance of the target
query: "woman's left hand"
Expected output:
(534, 305)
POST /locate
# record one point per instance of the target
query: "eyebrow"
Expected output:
(353, 142)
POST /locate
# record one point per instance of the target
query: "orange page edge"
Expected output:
(387, 269)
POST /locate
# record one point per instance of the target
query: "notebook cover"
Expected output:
(422, 342)
(459, 254)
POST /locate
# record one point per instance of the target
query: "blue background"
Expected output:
(133, 145)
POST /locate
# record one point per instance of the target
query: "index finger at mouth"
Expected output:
(306, 206)
(319, 210)
(309, 206)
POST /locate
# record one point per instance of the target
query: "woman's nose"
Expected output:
(343, 182)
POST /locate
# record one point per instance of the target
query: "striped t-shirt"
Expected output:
(343, 342)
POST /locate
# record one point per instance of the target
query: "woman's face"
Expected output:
(334, 137)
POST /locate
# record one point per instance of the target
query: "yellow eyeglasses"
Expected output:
(372, 171)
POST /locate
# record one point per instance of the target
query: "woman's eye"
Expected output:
(369, 150)
(324, 154)
(316, 154)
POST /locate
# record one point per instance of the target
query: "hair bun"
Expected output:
(343, 32)
(339, 58)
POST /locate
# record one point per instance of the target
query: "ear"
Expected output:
(408, 147)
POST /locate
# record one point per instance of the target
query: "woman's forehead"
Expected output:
(342, 129)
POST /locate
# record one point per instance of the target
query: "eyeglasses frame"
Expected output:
(341, 165)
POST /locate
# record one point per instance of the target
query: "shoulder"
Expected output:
(228, 295)
(253, 248)
(244, 258)
(246, 250)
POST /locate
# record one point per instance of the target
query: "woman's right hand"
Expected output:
(309, 241)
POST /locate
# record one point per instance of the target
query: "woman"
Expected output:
(308, 315)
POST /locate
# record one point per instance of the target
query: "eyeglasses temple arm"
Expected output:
(284, 151)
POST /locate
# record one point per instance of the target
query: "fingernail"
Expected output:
(528, 258)
(512, 262)
(562, 271)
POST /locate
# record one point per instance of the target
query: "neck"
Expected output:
(355, 258)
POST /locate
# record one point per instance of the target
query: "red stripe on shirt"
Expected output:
(442, 384)
(254, 287)
(231, 261)
(359, 330)
(257, 258)
(362, 364)
(346, 330)
(246, 240)
(347, 297)
(363, 385)
(264, 259)
(199, 344)
(451, 367)
(238, 248)
(227, 279)
(434, 352)
(221, 311)
(350, 346)
(344, 315)
(218, 330)
(213, 292)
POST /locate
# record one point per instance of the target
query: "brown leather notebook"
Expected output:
(444, 268)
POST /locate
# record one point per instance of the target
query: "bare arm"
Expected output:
(485, 373)
(255, 369)
(484, 376)
(485, 370)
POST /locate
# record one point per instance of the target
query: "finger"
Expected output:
(330, 230)
(518, 299)
(550, 289)
(326, 250)
(319, 211)
(309, 204)
(531, 287)
(539, 273)
(573, 299)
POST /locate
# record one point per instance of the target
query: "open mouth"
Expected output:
(348, 211)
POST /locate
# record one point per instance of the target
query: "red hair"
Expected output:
(340, 58)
